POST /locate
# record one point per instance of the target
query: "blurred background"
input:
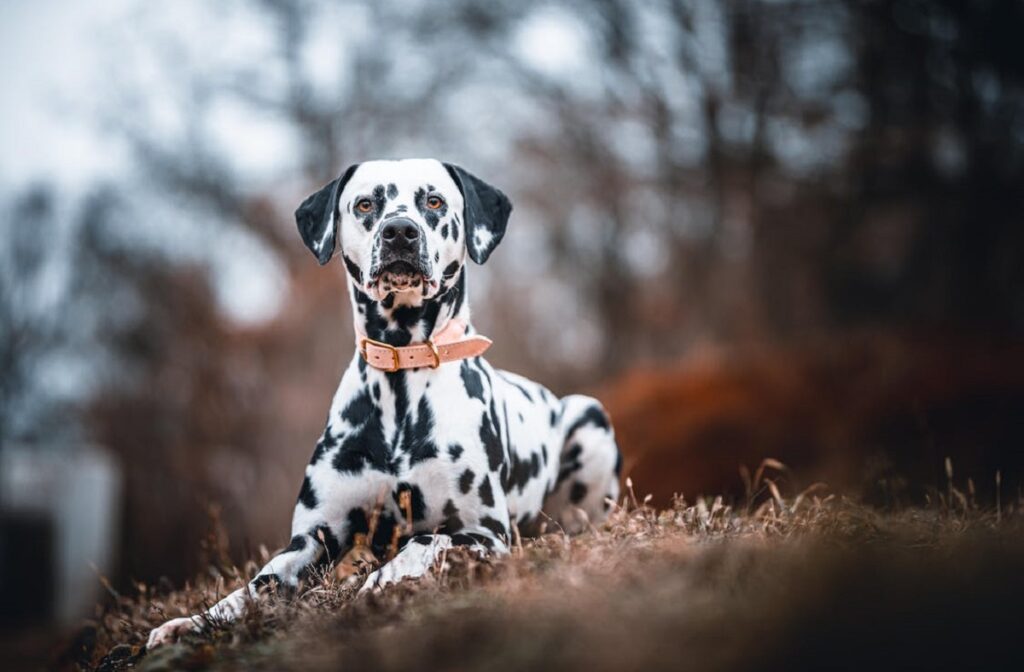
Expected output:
(756, 229)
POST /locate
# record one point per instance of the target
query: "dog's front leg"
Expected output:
(423, 552)
(283, 569)
(414, 560)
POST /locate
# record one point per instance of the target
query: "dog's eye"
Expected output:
(364, 205)
(434, 202)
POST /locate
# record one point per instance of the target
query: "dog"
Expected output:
(424, 439)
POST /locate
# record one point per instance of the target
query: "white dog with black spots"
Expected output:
(460, 449)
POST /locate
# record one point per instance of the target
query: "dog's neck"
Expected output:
(404, 319)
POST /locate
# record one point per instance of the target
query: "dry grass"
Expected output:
(806, 581)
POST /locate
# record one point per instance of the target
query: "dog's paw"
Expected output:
(417, 558)
(371, 584)
(169, 632)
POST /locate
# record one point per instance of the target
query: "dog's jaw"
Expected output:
(410, 314)
(411, 285)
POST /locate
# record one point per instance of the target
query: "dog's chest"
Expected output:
(440, 448)
(419, 433)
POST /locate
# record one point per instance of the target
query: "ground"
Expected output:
(806, 581)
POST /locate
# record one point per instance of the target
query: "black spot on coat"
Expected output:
(494, 526)
(416, 435)
(325, 444)
(365, 446)
(466, 481)
(522, 471)
(472, 539)
(307, 495)
(323, 535)
(491, 442)
(272, 581)
(452, 521)
(454, 451)
(297, 543)
(353, 269)
(570, 462)
(472, 381)
(450, 270)
(594, 415)
(486, 494)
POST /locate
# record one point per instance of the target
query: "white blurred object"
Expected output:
(79, 491)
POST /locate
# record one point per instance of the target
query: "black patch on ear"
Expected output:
(486, 212)
(317, 217)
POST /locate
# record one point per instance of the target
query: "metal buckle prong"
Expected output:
(386, 346)
(433, 350)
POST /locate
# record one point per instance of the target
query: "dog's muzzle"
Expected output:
(402, 264)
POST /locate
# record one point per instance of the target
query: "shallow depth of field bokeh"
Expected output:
(756, 229)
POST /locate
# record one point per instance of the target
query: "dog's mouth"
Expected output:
(400, 276)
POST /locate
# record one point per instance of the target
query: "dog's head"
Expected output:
(404, 226)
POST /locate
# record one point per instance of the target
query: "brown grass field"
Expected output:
(787, 581)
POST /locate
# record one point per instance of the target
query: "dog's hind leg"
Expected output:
(589, 466)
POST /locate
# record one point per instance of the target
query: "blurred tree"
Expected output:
(684, 171)
(31, 328)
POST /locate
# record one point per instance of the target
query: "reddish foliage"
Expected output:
(869, 414)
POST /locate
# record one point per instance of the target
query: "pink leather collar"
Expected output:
(449, 345)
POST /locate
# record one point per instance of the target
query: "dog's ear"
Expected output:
(317, 217)
(486, 213)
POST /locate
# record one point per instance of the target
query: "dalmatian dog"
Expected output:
(426, 445)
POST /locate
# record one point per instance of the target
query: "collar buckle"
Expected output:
(387, 346)
(434, 352)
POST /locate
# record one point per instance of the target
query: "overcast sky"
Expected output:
(56, 54)
(48, 48)
(53, 61)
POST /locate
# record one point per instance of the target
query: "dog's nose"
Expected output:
(400, 231)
